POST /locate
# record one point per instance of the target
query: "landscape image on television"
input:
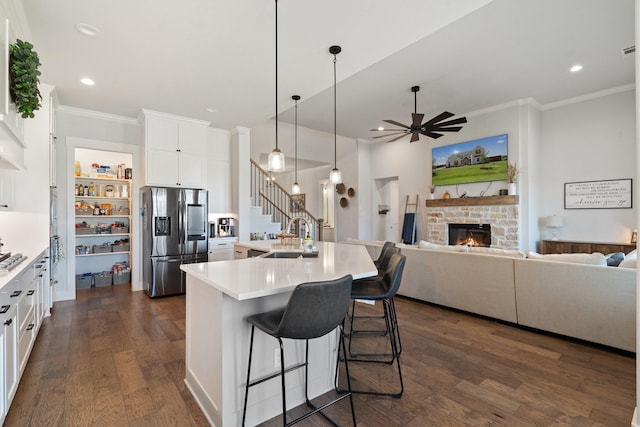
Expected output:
(480, 160)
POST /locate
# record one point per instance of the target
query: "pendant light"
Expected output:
(275, 163)
(335, 177)
(295, 189)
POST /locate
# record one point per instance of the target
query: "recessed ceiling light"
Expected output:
(212, 109)
(87, 81)
(380, 127)
(87, 30)
(576, 68)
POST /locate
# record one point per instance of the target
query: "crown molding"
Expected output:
(96, 115)
(594, 95)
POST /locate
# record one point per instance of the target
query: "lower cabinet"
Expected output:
(10, 357)
(221, 249)
(24, 302)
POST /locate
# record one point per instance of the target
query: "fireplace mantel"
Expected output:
(474, 201)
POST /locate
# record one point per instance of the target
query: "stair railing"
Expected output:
(277, 202)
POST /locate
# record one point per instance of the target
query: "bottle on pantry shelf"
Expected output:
(78, 170)
(92, 189)
(85, 190)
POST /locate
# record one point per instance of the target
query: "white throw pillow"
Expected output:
(630, 260)
(446, 248)
(497, 252)
(595, 258)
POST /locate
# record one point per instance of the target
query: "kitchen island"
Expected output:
(220, 295)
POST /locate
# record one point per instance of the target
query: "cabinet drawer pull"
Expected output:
(8, 322)
(31, 326)
(4, 309)
(15, 294)
(31, 292)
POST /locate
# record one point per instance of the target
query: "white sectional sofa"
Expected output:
(595, 303)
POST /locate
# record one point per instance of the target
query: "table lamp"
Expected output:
(554, 222)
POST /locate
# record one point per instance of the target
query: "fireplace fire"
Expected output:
(470, 234)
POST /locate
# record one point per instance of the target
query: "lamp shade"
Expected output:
(555, 221)
(276, 161)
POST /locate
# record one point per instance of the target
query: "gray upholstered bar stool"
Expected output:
(382, 260)
(314, 310)
(384, 290)
(382, 263)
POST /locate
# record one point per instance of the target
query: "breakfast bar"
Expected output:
(220, 295)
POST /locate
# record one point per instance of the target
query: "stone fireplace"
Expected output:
(501, 213)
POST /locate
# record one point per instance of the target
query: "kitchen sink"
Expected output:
(283, 255)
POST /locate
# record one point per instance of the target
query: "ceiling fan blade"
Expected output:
(448, 129)
(415, 136)
(431, 134)
(442, 116)
(393, 122)
(457, 121)
(387, 130)
(397, 137)
(390, 134)
(417, 120)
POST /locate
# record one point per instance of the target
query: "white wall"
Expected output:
(586, 141)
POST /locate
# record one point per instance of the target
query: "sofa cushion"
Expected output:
(630, 260)
(614, 259)
(497, 251)
(595, 258)
(447, 248)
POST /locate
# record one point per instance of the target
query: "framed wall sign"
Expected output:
(607, 194)
(297, 203)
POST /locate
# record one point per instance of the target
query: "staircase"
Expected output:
(280, 207)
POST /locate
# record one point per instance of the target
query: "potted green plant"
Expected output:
(24, 78)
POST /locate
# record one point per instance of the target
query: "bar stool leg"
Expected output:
(284, 394)
(246, 387)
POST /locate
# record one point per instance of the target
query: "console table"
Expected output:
(567, 247)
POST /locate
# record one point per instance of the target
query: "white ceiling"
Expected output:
(182, 57)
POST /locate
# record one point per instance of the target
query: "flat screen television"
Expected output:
(479, 160)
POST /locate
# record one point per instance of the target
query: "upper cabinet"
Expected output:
(11, 124)
(175, 150)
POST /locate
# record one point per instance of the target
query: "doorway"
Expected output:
(328, 210)
(387, 222)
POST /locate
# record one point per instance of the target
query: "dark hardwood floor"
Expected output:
(116, 358)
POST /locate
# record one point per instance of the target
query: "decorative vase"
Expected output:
(432, 196)
(512, 188)
(446, 195)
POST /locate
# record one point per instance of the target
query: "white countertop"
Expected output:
(257, 277)
(31, 252)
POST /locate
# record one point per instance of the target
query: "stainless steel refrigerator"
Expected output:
(174, 226)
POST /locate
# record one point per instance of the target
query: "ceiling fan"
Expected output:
(431, 128)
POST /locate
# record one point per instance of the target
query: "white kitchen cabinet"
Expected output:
(7, 190)
(175, 150)
(10, 355)
(221, 248)
(219, 170)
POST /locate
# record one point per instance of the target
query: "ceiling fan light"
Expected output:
(276, 161)
(295, 189)
(335, 177)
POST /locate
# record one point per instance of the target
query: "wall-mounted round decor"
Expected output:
(340, 188)
(351, 192)
(344, 202)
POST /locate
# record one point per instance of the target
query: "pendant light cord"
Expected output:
(335, 114)
(276, 74)
(296, 141)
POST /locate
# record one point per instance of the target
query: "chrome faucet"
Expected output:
(295, 218)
